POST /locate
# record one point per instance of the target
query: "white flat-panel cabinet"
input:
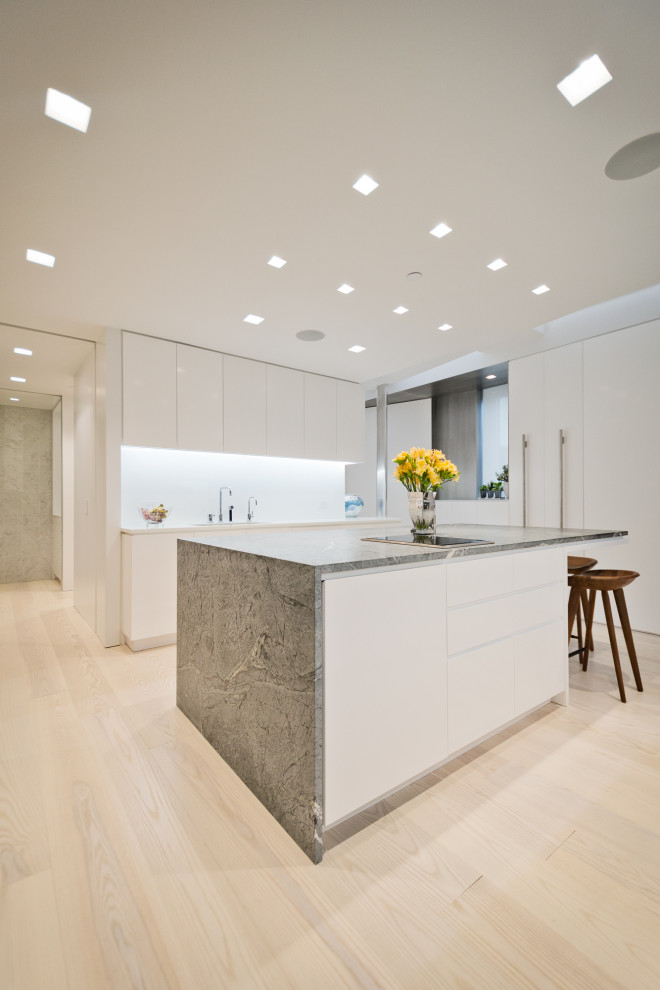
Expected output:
(199, 399)
(321, 417)
(385, 722)
(350, 421)
(526, 468)
(562, 371)
(149, 394)
(545, 406)
(621, 463)
(285, 404)
(244, 405)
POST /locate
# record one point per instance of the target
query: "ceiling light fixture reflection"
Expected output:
(356, 348)
(39, 258)
(400, 310)
(345, 288)
(12, 398)
(68, 111)
(490, 377)
(22, 350)
(251, 318)
(365, 184)
(497, 264)
(589, 76)
(540, 289)
(446, 326)
(15, 379)
(277, 262)
(440, 230)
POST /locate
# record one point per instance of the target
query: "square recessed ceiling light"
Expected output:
(22, 350)
(39, 258)
(446, 326)
(440, 230)
(68, 111)
(251, 318)
(277, 262)
(489, 377)
(13, 399)
(356, 348)
(14, 379)
(345, 288)
(497, 264)
(589, 76)
(540, 289)
(400, 310)
(365, 184)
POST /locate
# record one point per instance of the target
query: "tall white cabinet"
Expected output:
(603, 394)
(546, 408)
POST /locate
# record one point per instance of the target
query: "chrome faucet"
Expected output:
(224, 488)
(250, 511)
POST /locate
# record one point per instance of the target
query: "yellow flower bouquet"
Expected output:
(421, 470)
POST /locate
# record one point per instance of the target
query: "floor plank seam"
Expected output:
(563, 842)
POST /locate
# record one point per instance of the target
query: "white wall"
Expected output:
(84, 585)
(494, 431)
(68, 474)
(408, 425)
(287, 490)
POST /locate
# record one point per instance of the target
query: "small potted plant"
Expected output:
(483, 491)
(497, 489)
(503, 476)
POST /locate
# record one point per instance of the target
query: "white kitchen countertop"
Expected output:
(203, 528)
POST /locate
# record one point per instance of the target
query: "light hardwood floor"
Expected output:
(132, 856)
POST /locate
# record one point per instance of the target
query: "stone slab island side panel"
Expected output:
(247, 676)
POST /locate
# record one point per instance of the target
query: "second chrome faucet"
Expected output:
(250, 512)
(225, 488)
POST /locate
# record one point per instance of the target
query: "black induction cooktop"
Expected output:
(427, 540)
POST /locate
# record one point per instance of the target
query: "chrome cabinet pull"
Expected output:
(562, 442)
(524, 478)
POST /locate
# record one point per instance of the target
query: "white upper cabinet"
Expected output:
(199, 398)
(285, 404)
(320, 417)
(350, 422)
(526, 419)
(244, 405)
(149, 395)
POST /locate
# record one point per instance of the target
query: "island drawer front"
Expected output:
(492, 685)
(480, 692)
(475, 625)
(475, 580)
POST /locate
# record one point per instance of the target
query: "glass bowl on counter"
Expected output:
(154, 513)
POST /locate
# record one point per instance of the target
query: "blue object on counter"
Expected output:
(353, 506)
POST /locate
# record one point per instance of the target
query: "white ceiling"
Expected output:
(222, 133)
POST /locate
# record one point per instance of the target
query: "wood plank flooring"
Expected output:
(132, 857)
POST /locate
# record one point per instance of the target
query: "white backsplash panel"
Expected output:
(286, 489)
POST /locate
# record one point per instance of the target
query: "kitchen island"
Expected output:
(329, 671)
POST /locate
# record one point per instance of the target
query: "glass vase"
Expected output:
(421, 506)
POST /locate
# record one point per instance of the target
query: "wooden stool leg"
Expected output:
(589, 621)
(615, 650)
(579, 627)
(622, 609)
(590, 638)
(573, 604)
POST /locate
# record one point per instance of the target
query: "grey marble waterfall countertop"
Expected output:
(339, 550)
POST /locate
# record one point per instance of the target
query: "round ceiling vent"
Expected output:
(414, 275)
(637, 158)
(310, 335)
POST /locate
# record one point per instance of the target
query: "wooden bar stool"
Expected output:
(577, 565)
(605, 581)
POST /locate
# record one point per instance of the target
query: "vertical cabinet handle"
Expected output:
(562, 443)
(524, 479)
